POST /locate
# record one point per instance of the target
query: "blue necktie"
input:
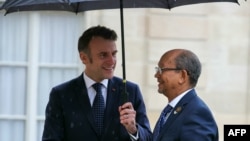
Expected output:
(98, 108)
(161, 121)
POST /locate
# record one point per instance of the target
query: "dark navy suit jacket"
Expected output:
(69, 118)
(190, 120)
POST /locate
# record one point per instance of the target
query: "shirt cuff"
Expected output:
(134, 137)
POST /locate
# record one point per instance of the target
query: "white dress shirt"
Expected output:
(91, 91)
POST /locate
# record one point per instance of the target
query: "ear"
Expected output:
(183, 76)
(83, 57)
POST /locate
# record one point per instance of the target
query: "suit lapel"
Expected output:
(83, 99)
(112, 103)
(178, 109)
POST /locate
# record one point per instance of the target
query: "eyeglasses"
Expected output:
(160, 70)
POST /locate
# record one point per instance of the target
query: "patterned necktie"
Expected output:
(161, 121)
(98, 108)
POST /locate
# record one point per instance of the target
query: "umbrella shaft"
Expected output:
(122, 40)
(124, 94)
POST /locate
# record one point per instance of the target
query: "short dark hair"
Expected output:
(99, 31)
(188, 61)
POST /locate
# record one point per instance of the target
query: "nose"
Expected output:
(112, 59)
(156, 74)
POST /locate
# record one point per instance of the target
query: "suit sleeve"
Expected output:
(53, 127)
(143, 125)
(200, 126)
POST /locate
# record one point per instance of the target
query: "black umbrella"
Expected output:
(86, 5)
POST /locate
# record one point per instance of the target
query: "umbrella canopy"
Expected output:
(85, 5)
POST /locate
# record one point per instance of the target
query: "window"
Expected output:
(36, 54)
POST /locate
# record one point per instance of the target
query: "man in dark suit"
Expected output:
(70, 115)
(187, 117)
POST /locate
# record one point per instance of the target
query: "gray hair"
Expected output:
(188, 61)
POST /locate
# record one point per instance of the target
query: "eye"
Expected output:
(103, 55)
(114, 54)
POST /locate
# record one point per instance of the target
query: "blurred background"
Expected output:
(38, 50)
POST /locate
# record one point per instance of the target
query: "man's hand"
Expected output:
(127, 117)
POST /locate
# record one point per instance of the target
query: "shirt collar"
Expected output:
(174, 102)
(89, 82)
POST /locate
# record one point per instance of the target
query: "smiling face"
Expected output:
(101, 61)
(181, 69)
(167, 80)
(171, 83)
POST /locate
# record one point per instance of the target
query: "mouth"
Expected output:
(159, 82)
(109, 68)
(160, 86)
